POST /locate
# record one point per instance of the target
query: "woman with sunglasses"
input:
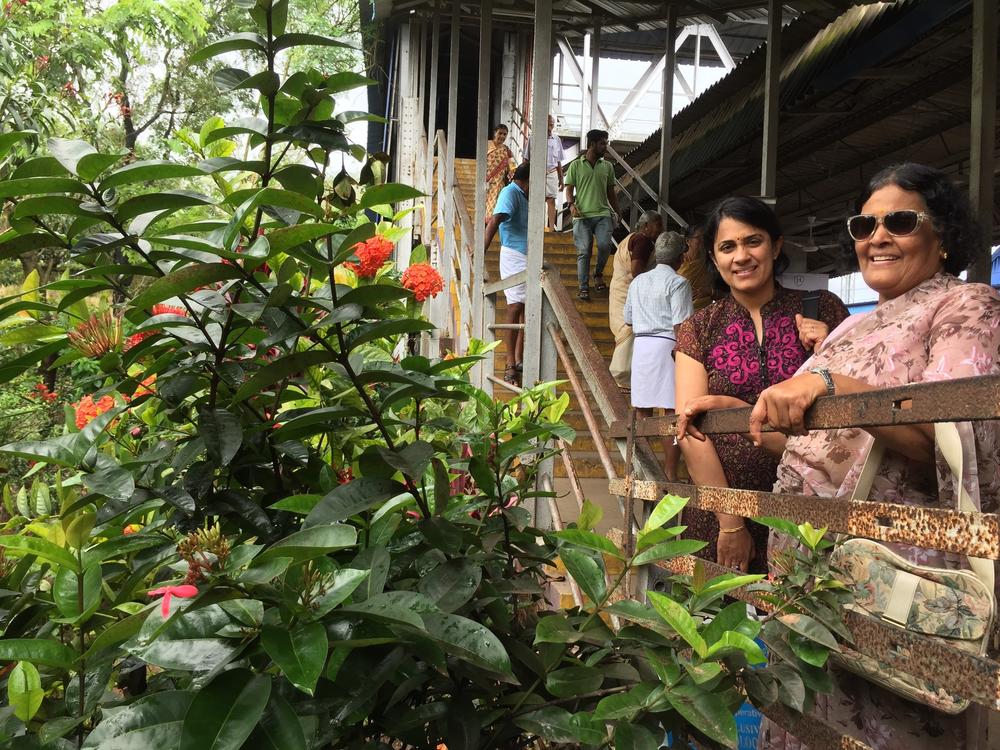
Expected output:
(727, 353)
(913, 234)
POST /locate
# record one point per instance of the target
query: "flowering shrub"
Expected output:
(87, 409)
(372, 255)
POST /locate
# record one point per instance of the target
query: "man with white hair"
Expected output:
(634, 256)
(658, 301)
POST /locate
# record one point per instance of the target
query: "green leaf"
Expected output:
(231, 43)
(40, 185)
(734, 641)
(705, 711)
(184, 280)
(634, 737)
(267, 197)
(667, 551)
(556, 724)
(280, 728)
(727, 582)
(809, 628)
(299, 504)
(702, 673)
(24, 691)
(452, 584)
(391, 192)
(315, 541)
(147, 171)
(279, 370)
(468, 640)
(679, 619)
(223, 434)
(37, 651)
(66, 595)
(345, 582)
(385, 329)
(624, 705)
(731, 617)
(285, 238)
(302, 40)
(224, 712)
(153, 721)
(15, 245)
(571, 681)
(587, 573)
(809, 651)
(412, 460)
(666, 509)
(394, 607)
(299, 653)
(164, 200)
(590, 540)
(7, 140)
(590, 516)
(791, 688)
(46, 550)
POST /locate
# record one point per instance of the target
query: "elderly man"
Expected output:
(634, 256)
(553, 171)
(657, 302)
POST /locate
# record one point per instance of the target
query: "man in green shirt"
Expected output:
(590, 193)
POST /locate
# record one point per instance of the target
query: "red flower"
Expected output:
(98, 335)
(88, 409)
(162, 309)
(184, 592)
(69, 89)
(345, 475)
(373, 254)
(138, 337)
(423, 280)
(145, 388)
(42, 391)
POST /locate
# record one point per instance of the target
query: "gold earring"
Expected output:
(944, 255)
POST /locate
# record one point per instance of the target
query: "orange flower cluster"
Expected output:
(139, 336)
(373, 254)
(423, 280)
(162, 309)
(97, 336)
(88, 409)
(42, 392)
(145, 388)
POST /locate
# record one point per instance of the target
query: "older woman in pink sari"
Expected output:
(913, 234)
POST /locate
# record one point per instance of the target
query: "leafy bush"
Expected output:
(269, 523)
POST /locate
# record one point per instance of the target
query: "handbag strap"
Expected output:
(949, 442)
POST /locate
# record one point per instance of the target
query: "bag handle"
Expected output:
(949, 441)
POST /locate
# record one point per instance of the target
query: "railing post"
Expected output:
(483, 135)
(450, 248)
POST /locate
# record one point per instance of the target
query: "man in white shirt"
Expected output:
(553, 171)
(658, 301)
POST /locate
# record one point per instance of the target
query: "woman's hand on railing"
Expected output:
(697, 406)
(783, 406)
(734, 548)
(811, 332)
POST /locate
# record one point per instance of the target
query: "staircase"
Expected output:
(559, 252)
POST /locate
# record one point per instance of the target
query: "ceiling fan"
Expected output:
(810, 245)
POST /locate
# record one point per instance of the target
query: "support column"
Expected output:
(595, 63)
(450, 249)
(772, 85)
(983, 132)
(667, 103)
(479, 218)
(408, 138)
(539, 351)
(432, 124)
(584, 91)
(541, 87)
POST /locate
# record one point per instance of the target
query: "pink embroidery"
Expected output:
(738, 357)
(785, 353)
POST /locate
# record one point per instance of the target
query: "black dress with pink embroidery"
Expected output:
(723, 339)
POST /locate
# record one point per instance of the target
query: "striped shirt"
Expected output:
(657, 301)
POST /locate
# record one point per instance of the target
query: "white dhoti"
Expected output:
(653, 372)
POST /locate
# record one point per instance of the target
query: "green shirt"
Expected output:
(592, 185)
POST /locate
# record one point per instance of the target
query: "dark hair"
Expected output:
(501, 126)
(693, 229)
(948, 206)
(750, 211)
(521, 173)
(596, 135)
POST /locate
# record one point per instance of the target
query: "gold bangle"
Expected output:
(734, 530)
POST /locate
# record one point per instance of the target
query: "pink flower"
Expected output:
(184, 592)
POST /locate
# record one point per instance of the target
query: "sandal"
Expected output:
(599, 285)
(584, 295)
(510, 374)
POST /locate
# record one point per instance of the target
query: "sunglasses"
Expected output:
(897, 223)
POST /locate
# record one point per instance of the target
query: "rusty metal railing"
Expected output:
(969, 533)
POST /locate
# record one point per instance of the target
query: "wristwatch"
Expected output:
(827, 379)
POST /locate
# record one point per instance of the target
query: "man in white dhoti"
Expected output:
(657, 302)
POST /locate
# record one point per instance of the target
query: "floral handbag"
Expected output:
(956, 606)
